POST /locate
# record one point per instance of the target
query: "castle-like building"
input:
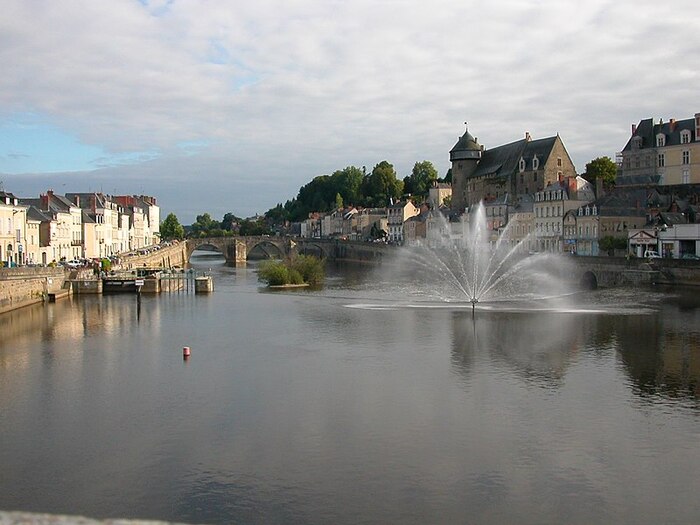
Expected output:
(525, 166)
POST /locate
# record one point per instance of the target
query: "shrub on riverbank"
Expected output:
(302, 269)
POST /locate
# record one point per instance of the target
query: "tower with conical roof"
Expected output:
(465, 157)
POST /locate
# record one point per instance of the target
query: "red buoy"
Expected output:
(186, 352)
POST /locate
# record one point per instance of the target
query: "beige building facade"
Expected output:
(661, 153)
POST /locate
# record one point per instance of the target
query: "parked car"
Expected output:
(690, 256)
(74, 263)
(651, 254)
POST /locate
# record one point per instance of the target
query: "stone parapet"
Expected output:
(21, 287)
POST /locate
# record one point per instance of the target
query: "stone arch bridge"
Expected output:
(237, 249)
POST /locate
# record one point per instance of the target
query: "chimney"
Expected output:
(77, 201)
(634, 129)
(527, 136)
(673, 124)
(599, 190)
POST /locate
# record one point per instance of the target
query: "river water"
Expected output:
(357, 403)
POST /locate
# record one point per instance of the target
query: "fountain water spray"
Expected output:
(473, 262)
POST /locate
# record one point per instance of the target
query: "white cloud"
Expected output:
(286, 90)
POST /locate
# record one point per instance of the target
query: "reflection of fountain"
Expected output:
(476, 268)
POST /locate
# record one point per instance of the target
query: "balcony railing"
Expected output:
(76, 243)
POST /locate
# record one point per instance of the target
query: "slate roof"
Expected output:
(86, 199)
(647, 131)
(504, 160)
(629, 203)
(35, 214)
(466, 143)
(6, 195)
(669, 219)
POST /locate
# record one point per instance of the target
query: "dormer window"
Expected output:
(636, 142)
(660, 140)
(522, 165)
(595, 210)
(685, 137)
(535, 163)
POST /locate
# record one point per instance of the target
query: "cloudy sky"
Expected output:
(217, 106)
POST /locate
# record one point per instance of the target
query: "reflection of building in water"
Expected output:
(662, 354)
(538, 346)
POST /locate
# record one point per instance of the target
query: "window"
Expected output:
(661, 160)
(535, 163)
(686, 157)
(685, 177)
(660, 140)
(559, 162)
(522, 165)
(685, 137)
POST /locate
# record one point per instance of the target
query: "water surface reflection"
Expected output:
(295, 408)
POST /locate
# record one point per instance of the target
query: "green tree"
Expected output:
(310, 268)
(601, 168)
(382, 185)
(274, 273)
(171, 228)
(203, 225)
(348, 183)
(229, 221)
(338, 201)
(422, 177)
(249, 227)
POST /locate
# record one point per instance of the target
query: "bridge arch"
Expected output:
(267, 249)
(312, 248)
(588, 281)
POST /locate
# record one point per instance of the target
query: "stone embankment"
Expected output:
(20, 287)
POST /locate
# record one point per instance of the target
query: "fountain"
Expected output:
(473, 266)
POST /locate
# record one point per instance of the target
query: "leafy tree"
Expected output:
(376, 233)
(601, 168)
(274, 273)
(249, 227)
(277, 215)
(301, 269)
(171, 228)
(203, 225)
(382, 185)
(338, 201)
(348, 183)
(422, 176)
(610, 243)
(229, 221)
(310, 268)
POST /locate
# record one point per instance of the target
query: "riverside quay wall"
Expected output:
(24, 286)
(21, 287)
